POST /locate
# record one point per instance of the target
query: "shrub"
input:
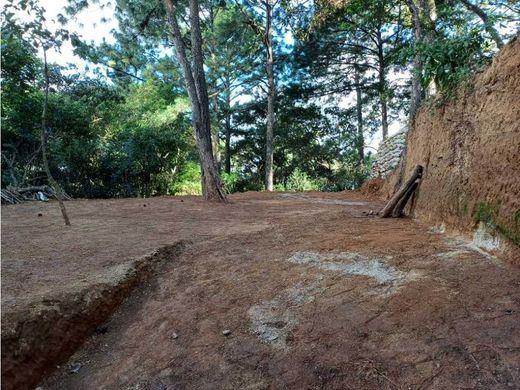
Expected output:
(238, 182)
(188, 182)
(300, 181)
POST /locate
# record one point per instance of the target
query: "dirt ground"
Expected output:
(273, 291)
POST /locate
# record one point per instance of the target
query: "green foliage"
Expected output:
(238, 182)
(450, 61)
(300, 181)
(128, 133)
(188, 182)
(104, 141)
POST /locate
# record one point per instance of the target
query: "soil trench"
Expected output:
(275, 291)
(48, 334)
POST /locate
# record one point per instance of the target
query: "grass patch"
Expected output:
(487, 213)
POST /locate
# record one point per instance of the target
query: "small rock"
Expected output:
(226, 332)
(371, 212)
(40, 215)
(175, 336)
(75, 368)
(182, 200)
(144, 205)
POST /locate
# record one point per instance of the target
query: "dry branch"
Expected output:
(13, 195)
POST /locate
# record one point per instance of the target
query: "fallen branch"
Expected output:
(13, 195)
(399, 207)
(397, 203)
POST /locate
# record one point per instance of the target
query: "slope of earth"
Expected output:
(271, 291)
(469, 147)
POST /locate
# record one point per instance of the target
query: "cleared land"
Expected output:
(315, 292)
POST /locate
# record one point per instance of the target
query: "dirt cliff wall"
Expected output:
(470, 149)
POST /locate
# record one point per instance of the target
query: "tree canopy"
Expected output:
(231, 95)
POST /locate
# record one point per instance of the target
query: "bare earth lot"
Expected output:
(315, 294)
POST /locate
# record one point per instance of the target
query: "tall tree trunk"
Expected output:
(216, 132)
(359, 114)
(227, 163)
(53, 183)
(215, 135)
(198, 94)
(269, 136)
(417, 88)
(382, 85)
(485, 19)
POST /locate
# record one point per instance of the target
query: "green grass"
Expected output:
(487, 213)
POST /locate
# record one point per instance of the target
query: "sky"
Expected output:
(88, 25)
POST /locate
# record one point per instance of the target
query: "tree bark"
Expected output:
(417, 88)
(389, 208)
(53, 183)
(399, 207)
(227, 163)
(269, 138)
(382, 88)
(197, 91)
(215, 135)
(360, 139)
(485, 19)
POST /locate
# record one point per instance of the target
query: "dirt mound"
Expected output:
(372, 187)
(470, 149)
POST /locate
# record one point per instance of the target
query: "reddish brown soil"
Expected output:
(449, 318)
(469, 147)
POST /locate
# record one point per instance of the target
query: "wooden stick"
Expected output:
(387, 210)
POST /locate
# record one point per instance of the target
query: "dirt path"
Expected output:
(315, 293)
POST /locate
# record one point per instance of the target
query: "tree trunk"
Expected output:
(215, 135)
(403, 192)
(417, 89)
(269, 138)
(53, 183)
(360, 139)
(382, 88)
(227, 163)
(399, 207)
(485, 19)
(197, 91)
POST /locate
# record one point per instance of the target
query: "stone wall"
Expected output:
(388, 155)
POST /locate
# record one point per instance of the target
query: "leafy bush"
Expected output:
(188, 182)
(450, 61)
(300, 181)
(237, 182)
